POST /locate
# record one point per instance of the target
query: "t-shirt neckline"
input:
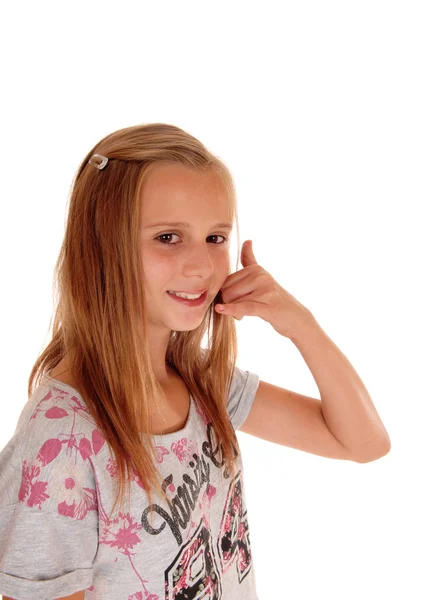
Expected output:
(159, 436)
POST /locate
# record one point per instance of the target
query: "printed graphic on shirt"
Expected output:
(204, 553)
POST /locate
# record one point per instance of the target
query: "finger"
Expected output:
(239, 309)
(239, 294)
(233, 279)
(220, 308)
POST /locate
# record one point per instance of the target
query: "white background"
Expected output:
(322, 111)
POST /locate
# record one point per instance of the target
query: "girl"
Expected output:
(126, 396)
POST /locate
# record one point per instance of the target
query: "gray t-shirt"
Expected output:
(57, 487)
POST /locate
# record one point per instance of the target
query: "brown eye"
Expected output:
(224, 239)
(165, 235)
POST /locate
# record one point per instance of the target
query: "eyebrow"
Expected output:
(183, 224)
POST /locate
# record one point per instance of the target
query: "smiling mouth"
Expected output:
(189, 301)
(184, 292)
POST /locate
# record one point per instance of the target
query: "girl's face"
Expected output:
(187, 257)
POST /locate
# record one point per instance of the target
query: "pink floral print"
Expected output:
(66, 471)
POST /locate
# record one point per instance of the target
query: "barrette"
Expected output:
(99, 161)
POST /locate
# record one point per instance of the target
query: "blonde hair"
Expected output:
(101, 300)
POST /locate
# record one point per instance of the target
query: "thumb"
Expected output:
(247, 255)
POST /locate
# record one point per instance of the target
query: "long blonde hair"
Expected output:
(101, 299)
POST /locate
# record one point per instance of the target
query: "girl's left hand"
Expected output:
(252, 291)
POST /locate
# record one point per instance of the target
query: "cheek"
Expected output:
(223, 264)
(157, 268)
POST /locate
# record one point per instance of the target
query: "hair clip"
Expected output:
(101, 161)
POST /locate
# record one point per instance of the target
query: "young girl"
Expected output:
(126, 397)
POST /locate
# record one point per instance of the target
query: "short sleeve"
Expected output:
(48, 507)
(241, 396)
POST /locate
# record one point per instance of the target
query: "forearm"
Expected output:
(347, 408)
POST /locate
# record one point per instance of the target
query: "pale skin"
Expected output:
(343, 423)
(185, 258)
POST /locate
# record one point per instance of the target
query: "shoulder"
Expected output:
(242, 392)
(47, 464)
(48, 501)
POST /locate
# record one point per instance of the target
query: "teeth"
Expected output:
(188, 296)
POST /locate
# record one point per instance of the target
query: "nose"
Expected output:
(198, 261)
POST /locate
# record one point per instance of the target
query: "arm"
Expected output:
(346, 420)
(343, 424)
(347, 407)
(76, 596)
